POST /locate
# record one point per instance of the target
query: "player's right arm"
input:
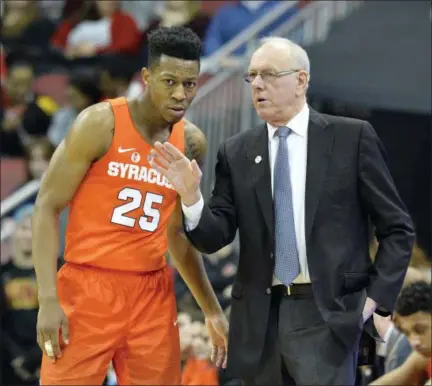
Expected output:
(410, 373)
(87, 140)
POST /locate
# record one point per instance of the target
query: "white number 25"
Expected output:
(151, 216)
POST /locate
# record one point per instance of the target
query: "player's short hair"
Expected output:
(417, 297)
(177, 42)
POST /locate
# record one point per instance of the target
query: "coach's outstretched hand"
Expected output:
(52, 322)
(184, 175)
(218, 331)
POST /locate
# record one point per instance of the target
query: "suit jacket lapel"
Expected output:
(258, 158)
(319, 147)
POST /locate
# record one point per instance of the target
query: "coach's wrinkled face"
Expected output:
(172, 85)
(417, 328)
(273, 93)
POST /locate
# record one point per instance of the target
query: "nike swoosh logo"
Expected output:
(120, 150)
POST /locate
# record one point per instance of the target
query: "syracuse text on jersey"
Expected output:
(137, 173)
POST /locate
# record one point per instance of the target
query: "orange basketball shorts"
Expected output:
(126, 318)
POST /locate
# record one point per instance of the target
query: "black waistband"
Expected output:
(293, 289)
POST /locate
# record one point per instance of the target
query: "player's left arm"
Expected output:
(190, 265)
(186, 258)
(189, 262)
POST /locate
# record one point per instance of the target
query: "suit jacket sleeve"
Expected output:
(218, 223)
(394, 229)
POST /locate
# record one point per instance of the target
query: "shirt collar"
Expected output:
(298, 124)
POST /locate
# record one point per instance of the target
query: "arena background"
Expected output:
(370, 60)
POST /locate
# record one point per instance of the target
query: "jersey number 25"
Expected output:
(151, 216)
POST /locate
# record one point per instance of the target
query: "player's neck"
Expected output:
(146, 115)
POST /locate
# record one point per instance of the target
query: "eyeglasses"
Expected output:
(267, 76)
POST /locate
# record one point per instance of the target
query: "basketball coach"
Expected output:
(302, 190)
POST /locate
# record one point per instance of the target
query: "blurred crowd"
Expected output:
(59, 57)
(397, 346)
(96, 49)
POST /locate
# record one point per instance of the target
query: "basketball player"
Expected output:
(113, 300)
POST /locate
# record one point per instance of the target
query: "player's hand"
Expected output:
(217, 327)
(51, 323)
(184, 175)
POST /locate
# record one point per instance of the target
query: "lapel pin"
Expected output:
(258, 159)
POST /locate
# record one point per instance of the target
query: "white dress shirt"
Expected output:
(297, 158)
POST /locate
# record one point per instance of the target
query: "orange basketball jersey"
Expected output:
(119, 214)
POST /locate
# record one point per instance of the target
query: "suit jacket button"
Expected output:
(271, 255)
(268, 290)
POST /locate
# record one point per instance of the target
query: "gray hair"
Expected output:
(298, 54)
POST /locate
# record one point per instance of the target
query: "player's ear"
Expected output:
(145, 75)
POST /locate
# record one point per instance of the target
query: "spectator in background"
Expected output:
(136, 87)
(233, 18)
(21, 356)
(52, 9)
(18, 85)
(105, 30)
(221, 268)
(38, 153)
(116, 76)
(412, 317)
(198, 369)
(82, 92)
(75, 10)
(24, 114)
(395, 349)
(184, 321)
(186, 13)
(23, 26)
(143, 12)
(3, 68)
